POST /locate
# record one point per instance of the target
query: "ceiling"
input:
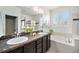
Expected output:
(29, 9)
(48, 7)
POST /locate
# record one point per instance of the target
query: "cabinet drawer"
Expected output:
(29, 48)
(48, 37)
(39, 50)
(39, 41)
(39, 45)
(18, 50)
(44, 45)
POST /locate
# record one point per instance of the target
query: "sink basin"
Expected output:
(17, 40)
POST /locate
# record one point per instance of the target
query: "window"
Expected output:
(61, 17)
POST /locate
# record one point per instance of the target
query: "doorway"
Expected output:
(10, 24)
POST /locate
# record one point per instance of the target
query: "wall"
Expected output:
(75, 14)
(1, 23)
(62, 26)
(9, 10)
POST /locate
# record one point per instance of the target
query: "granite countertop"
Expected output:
(4, 47)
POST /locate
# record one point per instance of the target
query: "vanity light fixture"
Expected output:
(38, 10)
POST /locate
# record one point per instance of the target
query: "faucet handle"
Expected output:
(15, 32)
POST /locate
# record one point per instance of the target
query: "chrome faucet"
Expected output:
(16, 34)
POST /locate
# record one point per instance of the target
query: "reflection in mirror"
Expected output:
(22, 25)
(11, 24)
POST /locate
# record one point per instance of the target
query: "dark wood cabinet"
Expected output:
(44, 44)
(41, 45)
(30, 48)
(17, 50)
(48, 42)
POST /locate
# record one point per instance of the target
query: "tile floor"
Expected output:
(59, 47)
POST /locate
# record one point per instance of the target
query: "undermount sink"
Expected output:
(17, 40)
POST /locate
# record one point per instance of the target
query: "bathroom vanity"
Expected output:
(35, 44)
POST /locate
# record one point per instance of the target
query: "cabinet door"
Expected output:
(17, 50)
(48, 43)
(29, 48)
(44, 43)
(39, 45)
